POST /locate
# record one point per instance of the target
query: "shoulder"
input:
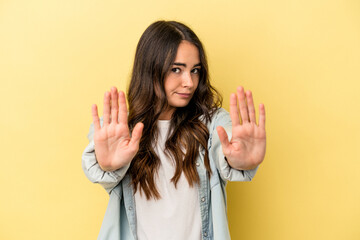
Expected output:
(220, 117)
(220, 112)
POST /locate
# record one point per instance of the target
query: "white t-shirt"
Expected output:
(176, 216)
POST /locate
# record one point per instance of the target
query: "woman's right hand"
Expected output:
(114, 148)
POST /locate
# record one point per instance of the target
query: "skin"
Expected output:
(183, 78)
(246, 149)
(115, 148)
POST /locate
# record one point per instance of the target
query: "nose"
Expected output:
(187, 80)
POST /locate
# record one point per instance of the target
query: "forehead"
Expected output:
(187, 53)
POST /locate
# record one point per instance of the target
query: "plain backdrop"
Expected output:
(300, 58)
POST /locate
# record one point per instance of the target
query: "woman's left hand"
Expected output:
(246, 149)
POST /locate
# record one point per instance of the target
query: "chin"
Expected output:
(180, 105)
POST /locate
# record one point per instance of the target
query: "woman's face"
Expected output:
(182, 79)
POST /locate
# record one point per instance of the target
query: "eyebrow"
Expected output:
(183, 64)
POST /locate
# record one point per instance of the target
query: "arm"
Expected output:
(111, 149)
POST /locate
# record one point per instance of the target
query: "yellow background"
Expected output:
(300, 58)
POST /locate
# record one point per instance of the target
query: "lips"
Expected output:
(184, 95)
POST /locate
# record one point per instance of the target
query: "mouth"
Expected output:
(184, 95)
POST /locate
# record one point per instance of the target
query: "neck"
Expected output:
(166, 114)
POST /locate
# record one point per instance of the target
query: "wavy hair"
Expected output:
(155, 54)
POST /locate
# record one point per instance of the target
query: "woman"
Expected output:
(165, 162)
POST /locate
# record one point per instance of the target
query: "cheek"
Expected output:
(169, 88)
(171, 84)
(167, 85)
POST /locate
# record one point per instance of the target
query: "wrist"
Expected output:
(240, 165)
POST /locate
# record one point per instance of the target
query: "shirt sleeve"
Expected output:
(227, 173)
(92, 170)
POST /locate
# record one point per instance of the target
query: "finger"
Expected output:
(224, 139)
(122, 108)
(242, 104)
(251, 108)
(114, 105)
(234, 112)
(136, 136)
(95, 117)
(262, 116)
(106, 111)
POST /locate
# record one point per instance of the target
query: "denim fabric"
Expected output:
(120, 217)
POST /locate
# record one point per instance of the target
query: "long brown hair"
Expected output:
(155, 54)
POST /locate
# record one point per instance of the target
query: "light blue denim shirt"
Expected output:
(120, 218)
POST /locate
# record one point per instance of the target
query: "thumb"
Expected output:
(136, 135)
(224, 139)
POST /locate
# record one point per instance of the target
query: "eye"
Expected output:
(175, 70)
(196, 70)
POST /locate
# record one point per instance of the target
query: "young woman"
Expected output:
(165, 160)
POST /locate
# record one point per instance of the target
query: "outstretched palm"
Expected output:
(246, 148)
(114, 148)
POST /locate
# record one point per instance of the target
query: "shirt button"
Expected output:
(203, 199)
(197, 164)
(205, 234)
(130, 208)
